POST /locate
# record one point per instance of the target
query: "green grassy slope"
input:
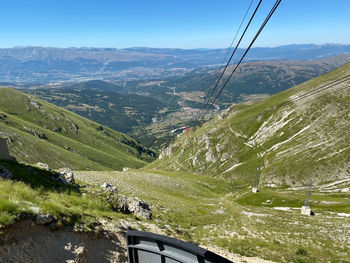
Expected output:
(33, 191)
(41, 132)
(290, 141)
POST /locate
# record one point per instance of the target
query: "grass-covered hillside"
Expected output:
(41, 132)
(290, 137)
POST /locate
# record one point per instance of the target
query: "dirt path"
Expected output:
(27, 242)
(234, 257)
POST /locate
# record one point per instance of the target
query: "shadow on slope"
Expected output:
(36, 177)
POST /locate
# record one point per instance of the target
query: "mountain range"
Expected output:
(21, 64)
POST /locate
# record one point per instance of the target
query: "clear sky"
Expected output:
(167, 23)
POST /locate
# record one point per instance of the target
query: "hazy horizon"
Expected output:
(155, 47)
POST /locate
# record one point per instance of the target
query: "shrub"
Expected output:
(301, 252)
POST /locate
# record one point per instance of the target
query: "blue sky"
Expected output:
(167, 23)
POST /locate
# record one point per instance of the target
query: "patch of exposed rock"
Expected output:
(43, 166)
(169, 151)
(131, 205)
(210, 156)
(139, 208)
(223, 114)
(195, 161)
(66, 175)
(43, 219)
(225, 156)
(123, 204)
(109, 188)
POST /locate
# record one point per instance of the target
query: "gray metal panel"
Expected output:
(146, 247)
(147, 257)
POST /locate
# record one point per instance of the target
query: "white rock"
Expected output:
(139, 208)
(43, 166)
(123, 203)
(343, 214)
(220, 211)
(66, 175)
(282, 208)
(110, 188)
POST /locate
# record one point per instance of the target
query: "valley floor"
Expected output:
(215, 213)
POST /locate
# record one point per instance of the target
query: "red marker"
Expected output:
(187, 131)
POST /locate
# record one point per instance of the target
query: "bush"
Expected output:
(301, 252)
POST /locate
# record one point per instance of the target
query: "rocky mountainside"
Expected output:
(291, 137)
(37, 131)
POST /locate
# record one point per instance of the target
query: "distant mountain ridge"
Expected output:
(52, 64)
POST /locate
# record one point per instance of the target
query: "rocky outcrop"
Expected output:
(210, 156)
(123, 204)
(43, 219)
(169, 151)
(109, 188)
(139, 208)
(66, 175)
(43, 166)
(131, 205)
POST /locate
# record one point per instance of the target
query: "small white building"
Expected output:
(306, 210)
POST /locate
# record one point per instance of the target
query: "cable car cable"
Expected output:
(228, 62)
(250, 45)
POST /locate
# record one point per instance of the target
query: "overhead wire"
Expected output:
(229, 48)
(228, 62)
(247, 50)
(273, 9)
(239, 29)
